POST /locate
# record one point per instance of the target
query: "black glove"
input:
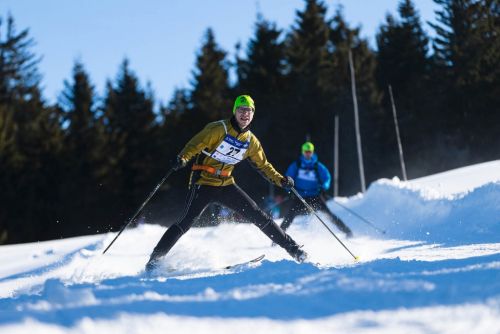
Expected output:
(177, 162)
(287, 182)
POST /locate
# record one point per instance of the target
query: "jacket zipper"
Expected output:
(223, 164)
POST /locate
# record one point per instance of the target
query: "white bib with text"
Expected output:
(307, 174)
(231, 150)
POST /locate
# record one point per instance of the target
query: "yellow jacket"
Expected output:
(209, 139)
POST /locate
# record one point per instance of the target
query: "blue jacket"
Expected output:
(306, 176)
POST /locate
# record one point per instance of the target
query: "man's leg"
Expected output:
(293, 211)
(321, 206)
(199, 197)
(236, 199)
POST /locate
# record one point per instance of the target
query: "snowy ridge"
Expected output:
(435, 217)
(437, 269)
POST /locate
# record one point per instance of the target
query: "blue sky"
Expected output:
(161, 37)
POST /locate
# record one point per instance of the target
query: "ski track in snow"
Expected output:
(436, 270)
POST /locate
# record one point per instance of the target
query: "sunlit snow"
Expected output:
(436, 269)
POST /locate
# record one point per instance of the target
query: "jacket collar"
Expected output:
(308, 163)
(237, 127)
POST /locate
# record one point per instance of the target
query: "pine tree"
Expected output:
(78, 101)
(31, 190)
(210, 97)
(175, 131)
(175, 127)
(9, 159)
(9, 153)
(19, 77)
(306, 104)
(402, 50)
(86, 158)
(133, 137)
(467, 57)
(342, 39)
(78, 98)
(261, 74)
(308, 44)
(403, 63)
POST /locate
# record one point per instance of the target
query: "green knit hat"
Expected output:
(243, 100)
(308, 147)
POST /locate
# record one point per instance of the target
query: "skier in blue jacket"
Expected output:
(311, 178)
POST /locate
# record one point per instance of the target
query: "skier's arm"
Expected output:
(292, 170)
(207, 138)
(324, 176)
(258, 161)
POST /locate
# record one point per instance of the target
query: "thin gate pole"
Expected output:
(356, 124)
(403, 168)
(336, 159)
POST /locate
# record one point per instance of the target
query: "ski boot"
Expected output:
(150, 267)
(348, 234)
(152, 264)
(297, 253)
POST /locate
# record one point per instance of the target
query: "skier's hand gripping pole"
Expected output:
(138, 210)
(312, 210)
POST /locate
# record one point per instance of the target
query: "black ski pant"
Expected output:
(201, 196)
(318, 203)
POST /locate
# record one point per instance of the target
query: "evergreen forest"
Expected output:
(86, 163)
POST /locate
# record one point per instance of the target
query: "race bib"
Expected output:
(230, 151)
(307, 174)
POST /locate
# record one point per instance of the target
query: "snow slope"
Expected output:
(460, 180)
(437, 269)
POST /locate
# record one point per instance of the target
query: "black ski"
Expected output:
(260, 258)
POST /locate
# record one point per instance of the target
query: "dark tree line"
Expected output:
(86, 163)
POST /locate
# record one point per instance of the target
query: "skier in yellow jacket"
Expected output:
(216, 150)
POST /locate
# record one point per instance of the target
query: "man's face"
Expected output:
(308, 154)
(244, 116)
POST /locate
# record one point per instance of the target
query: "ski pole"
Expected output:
(312, 210)
(138, 210)
(362, 219)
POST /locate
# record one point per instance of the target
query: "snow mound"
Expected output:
(412, 212)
